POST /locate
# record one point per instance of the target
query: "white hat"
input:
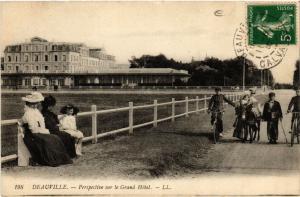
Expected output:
(34, 97)
(246, 92)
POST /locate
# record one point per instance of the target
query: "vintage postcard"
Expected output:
(150, 98)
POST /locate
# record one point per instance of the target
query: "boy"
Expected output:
(272, 113)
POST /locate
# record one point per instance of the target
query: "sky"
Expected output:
(180, 30)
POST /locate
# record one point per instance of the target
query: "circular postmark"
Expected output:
(263, 56)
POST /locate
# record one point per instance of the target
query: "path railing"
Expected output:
(130, 128)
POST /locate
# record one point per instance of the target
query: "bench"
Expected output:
(23, 153)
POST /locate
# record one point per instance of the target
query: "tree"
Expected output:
(208, 72)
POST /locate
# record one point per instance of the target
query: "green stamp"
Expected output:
(271, 24)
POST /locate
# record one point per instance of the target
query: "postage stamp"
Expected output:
(271, 24)
(264, 56)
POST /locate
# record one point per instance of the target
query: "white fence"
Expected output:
(94, 113)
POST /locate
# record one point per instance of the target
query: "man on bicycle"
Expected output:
(216, 104)
(295, 104)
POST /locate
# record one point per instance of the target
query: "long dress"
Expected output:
(45, 149)
(52, 122)
(240, 122)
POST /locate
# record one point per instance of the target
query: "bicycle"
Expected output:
(295, 128)
(217, 124)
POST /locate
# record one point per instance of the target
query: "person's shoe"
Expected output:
(274, 142)
(220, 134)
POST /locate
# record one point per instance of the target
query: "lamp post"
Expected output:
(244, 74)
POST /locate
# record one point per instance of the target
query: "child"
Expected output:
(68, 124)
(272, 113)
(240, 122)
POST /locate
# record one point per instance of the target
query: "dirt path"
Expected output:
(259, 157)
(177, 150)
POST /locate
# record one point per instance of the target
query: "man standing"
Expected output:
(272, 113)
(216, 104)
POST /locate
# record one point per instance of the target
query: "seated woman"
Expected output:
(52, 124)
(45, 149)
(68, 124)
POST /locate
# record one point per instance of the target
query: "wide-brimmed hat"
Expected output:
(49, 101)
(252, 91)
(33, 97)
(64, 109)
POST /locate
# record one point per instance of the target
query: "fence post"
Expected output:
(155, 114)
(186, 106)
(197, 104)
(94, 123)
(130, 118)
(173, 109)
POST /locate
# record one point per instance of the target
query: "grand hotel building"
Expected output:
(40, 63)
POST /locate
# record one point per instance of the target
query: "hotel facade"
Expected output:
(40, 63)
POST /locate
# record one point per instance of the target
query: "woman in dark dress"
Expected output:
(45, 149)
(240, 122)
(52, 124)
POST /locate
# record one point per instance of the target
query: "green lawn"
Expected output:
(12, 107)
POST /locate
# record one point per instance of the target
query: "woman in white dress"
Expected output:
(68, 124)
(45, 149)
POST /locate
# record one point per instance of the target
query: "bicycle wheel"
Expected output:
(294, 130)
(215, 132)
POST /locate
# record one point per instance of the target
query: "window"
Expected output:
(46, 58)
(26, 58)
(9, 58)
(46, 48)
(36, 58)
(37, 67)
(61, 82)
(44, 81)
(8, 67)
(27, 67)
(36, 81)
(16, 58)
(27, 82)
(46, 67)
(17, 68)
(26, 48)
(55, 58)
(53, 82)
(64, 58)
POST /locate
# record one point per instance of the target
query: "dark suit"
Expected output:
(272, 113)
(216, 103)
